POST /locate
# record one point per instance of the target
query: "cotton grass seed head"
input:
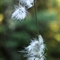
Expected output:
(19, 13)
(27, 3)
(35, 51)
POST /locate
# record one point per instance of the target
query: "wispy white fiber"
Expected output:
(35, 51)
(19, 13)
(27, 3)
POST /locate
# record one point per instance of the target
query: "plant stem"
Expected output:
(37, 26)
(19, 3)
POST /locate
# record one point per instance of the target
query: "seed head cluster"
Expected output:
(21, 12)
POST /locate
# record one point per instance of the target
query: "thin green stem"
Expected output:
(19, 3)
(35, 9)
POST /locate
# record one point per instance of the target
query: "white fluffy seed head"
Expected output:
(27, 3)
(36, 49)
(20, 13)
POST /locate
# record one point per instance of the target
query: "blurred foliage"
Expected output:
(15, 34)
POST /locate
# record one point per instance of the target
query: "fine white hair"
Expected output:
(27, 3)
(35, 51)
(19, 13)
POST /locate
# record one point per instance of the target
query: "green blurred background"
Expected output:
(15, 35)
